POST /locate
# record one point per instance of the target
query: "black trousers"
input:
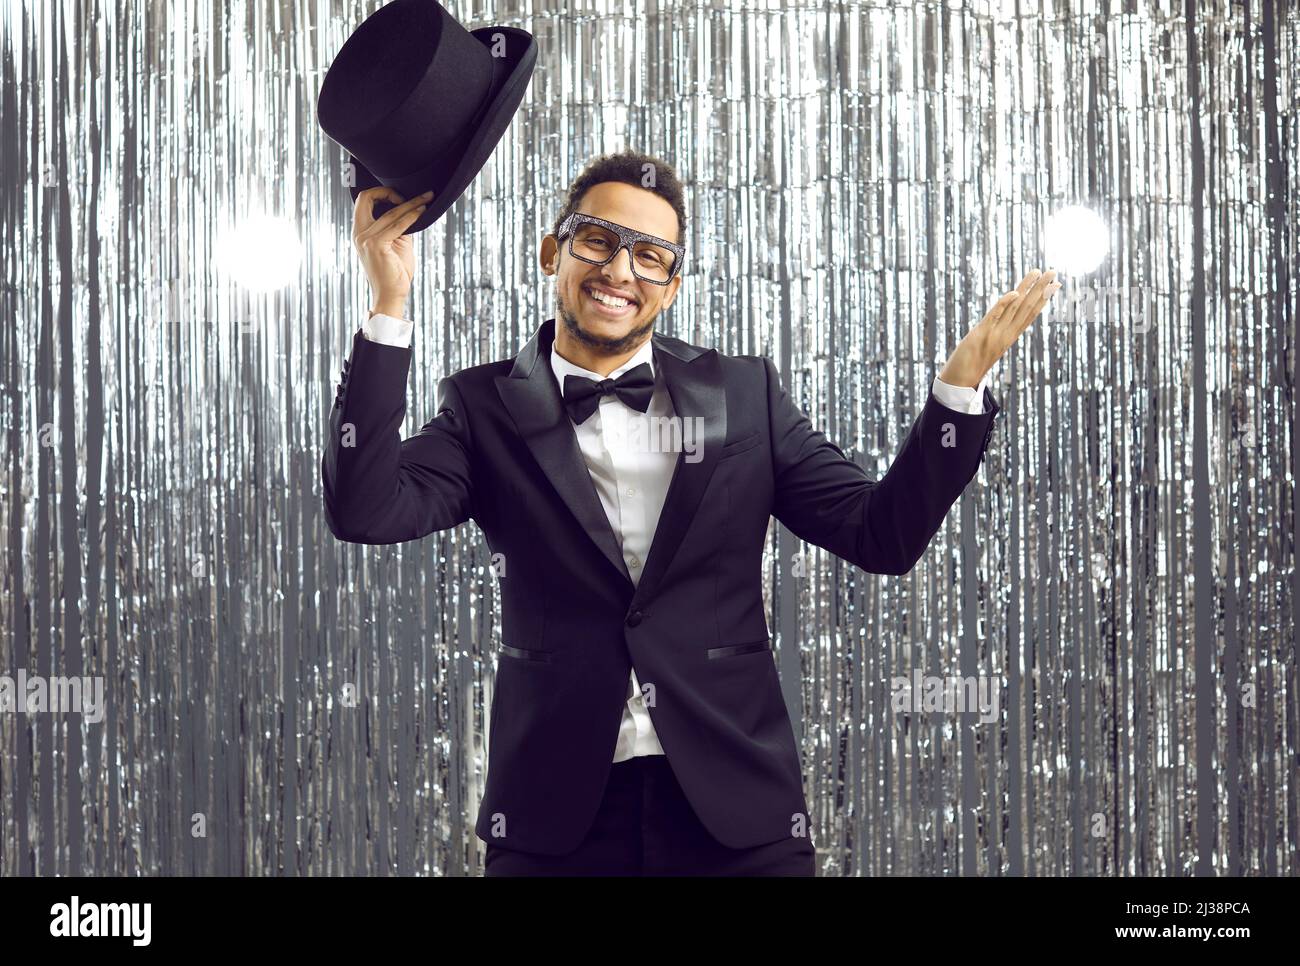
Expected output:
(646, 827)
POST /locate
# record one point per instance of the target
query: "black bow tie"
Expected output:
(634, 387)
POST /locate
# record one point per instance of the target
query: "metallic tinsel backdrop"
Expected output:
(863, 180)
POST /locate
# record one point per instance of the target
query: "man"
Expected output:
(638, 725)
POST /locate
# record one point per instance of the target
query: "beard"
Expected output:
(599, 343)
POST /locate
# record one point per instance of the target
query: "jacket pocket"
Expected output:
(526, 655)
(732, 650)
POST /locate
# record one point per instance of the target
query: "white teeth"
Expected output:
(611, 300)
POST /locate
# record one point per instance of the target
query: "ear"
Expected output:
(549, 255)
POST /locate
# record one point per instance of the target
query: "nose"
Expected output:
(619, 269)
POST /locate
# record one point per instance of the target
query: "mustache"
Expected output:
(600, 343)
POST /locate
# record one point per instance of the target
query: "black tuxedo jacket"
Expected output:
(502, 452)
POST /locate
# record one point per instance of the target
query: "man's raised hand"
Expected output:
(387, 255)
(1010, 316)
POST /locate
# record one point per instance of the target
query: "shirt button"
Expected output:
(634, 562)
(631, 491)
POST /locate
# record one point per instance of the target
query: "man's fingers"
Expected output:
(1031, 298)
(1028, 282)
(1003, 305)
(1046, 297)
(363, 215)
(398, 228)
(394, 222)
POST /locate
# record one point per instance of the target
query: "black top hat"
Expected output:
(420, 102)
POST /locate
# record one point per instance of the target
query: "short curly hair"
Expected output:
(630, 167)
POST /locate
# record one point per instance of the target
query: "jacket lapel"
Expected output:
(694, 383)
(694, 380)
(535, 404)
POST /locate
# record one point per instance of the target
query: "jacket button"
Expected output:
(634, 618)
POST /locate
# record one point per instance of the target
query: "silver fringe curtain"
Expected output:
(863, 180)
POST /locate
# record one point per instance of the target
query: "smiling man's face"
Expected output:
(589, 333)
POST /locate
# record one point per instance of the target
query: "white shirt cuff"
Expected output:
(963, 399)
(388, 330)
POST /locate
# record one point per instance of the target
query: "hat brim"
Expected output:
(511, 81)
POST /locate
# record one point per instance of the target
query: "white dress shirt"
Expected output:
(632, 480)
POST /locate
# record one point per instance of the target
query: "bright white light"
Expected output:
(1075, 240)
(261, 252)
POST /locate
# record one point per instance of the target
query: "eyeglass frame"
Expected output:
(626, 238)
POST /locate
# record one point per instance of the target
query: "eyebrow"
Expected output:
(627, 228)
